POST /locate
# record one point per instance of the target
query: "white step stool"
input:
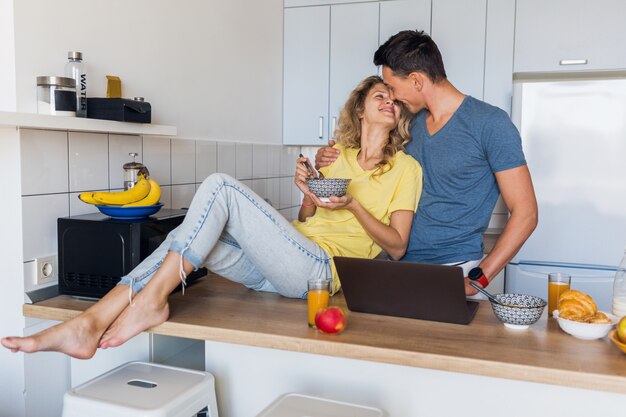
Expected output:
(140, 389)
(300, 405)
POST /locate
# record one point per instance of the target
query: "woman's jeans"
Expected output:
(236, 234)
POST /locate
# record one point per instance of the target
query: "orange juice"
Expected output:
(316, 299)
(555, 289)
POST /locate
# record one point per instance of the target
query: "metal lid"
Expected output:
(75, 55)
(133, 164)
(60, 81)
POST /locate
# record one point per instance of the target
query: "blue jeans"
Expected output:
(236, 234)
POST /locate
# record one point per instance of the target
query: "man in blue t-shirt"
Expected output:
(470, 154)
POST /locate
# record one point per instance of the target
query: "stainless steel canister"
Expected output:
(56, 96)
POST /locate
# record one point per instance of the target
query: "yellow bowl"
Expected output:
(621, 345)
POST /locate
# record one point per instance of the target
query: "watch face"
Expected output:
(475, 273)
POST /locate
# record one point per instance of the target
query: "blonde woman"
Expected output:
(236, 234)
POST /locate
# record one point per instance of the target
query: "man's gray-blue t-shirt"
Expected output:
(460, 189)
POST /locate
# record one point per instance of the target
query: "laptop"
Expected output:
(405, 289)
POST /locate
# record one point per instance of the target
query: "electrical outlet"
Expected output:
(46, 270)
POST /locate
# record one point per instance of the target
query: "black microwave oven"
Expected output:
(95, 250)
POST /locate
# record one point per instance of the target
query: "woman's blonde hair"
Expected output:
(348, 132)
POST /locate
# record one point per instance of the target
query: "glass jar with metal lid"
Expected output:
(132, 171)
(56, 96)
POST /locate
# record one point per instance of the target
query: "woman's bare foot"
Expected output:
(77, 338)
(143, 313)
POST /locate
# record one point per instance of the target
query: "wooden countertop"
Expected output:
(219, 310)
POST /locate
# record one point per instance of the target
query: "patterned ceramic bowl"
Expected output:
(529, 309)
(325, 187)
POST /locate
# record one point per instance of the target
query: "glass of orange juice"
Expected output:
(317, 297)
(558, 283)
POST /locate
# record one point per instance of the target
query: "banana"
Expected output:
(87, 197)
(152, 198)
(119, 198)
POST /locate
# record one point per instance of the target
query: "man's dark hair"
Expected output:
(409, 51)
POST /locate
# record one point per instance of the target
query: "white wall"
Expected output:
(212, 68)
(12, 294)
(7, 57)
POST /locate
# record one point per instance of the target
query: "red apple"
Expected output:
(330, 320)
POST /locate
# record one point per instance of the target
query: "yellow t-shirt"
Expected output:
(338, 232)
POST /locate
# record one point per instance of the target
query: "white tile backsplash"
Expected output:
(119, 148)
(273, 191)
(166, 196)
(260, 187)
(243, 161)
(288, 157)
(182, 195)
(285, 199)
(226, 158)
(206, 159)
(88, 161)
(57, 166)
(157, 158)
(77, 207)
(44, 162)
(260, 159)
(39, 223)
(183, 161)
(273, 160)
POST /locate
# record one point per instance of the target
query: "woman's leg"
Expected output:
(263, 239)
(79, 336)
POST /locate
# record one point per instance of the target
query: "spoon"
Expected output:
(308, 166)
(490, 296)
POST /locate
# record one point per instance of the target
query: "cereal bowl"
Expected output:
(620, 345)
(325, 187)
(526, 311)
(585, 331)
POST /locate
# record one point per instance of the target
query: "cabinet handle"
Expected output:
(333, 125)
(321, 127)
(573, 62)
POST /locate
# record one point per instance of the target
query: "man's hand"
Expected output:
(326, 155)
(469, 290)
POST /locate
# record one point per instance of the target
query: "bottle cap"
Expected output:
(75, 55)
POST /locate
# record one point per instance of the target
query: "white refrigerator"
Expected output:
(574, 138)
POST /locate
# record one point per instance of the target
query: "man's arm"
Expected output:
(519, 197)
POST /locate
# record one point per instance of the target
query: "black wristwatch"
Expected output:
(476, 274)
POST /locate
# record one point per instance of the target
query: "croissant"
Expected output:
(575, 305)
(599, 318)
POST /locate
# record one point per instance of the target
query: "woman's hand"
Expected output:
(345, 202)
(302, 173)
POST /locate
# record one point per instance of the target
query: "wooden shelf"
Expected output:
(42, 121)
(219, 310)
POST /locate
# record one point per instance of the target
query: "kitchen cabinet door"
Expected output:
(353, 41)
(498, 88)
(569, 35)
(306, 76)
(458, 28)
(397, 15)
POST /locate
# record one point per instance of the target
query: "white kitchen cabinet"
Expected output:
(498, 88)
(353, 41)
(569, 35)
(397, 15)
(306, 75)
(327, 51)
(458, 28)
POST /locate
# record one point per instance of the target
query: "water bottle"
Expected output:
(76, 69)
(619, 289)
